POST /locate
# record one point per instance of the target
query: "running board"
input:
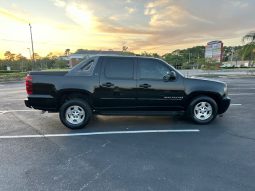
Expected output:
(141, 113)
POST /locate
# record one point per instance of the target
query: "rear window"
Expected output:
(121, 68)
(87, 66)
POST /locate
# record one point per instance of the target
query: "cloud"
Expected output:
(10, 15)
(59, 3)
(152, 25)
(128, 1)
(183, 23)
(79, 13)
(130, 10)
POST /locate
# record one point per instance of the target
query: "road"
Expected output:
(218, 156)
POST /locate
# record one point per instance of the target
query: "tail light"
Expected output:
(29, 86)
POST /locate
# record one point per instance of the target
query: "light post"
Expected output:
(32, 44)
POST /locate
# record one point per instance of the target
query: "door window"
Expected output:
(120, 68)
(152, 69)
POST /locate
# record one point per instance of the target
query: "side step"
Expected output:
(142, 113)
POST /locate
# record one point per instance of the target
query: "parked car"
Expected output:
(124, 85)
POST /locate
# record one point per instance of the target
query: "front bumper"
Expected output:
(224, 105)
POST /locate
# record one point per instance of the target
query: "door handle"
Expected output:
(145, 85)
(108, 84)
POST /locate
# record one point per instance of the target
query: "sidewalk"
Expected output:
(219, 73)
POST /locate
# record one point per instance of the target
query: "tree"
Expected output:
(67, 52)
(51, 56)
(9, 56)
(20, 57)
(36, 56)
(155, 55)
(249, 38)
(249, 48)
(124, 49)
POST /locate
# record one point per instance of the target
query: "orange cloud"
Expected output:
(12, 16)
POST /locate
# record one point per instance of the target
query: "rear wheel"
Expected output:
(75, 113)
(202, 110)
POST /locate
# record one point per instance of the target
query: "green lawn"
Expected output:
(17, 76)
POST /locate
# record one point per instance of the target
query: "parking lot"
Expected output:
(128, 153)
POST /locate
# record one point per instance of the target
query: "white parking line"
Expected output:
(13, 89)
(235, 104)
(15, 99)
(10, 111)
(100, 133)
(240, 94)
(241, 88)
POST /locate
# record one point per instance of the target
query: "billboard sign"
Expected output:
(214, 50)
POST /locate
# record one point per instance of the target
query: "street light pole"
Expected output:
(32, 43)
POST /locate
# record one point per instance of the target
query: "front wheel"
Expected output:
(75, 113)
(202, 110)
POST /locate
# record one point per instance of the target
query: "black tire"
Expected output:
(75, 120)
(202, 110)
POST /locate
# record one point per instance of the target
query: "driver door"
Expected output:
(153, 92)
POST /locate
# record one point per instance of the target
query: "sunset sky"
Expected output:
(142, 25)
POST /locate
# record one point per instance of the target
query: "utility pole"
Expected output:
(32, 43)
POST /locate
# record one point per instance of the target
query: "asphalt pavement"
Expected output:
(128, 153)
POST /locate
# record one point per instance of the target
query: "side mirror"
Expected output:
(170, 76)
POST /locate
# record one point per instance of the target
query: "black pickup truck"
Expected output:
(124, 85)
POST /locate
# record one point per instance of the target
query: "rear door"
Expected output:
(153, 93)
(117, 84)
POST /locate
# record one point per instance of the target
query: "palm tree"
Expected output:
(250, 37)
(67, 52)
(249, 48)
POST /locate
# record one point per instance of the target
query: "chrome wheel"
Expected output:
(203, 111)
(75, 114)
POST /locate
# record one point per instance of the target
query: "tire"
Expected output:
(75, 113)
(202, 110)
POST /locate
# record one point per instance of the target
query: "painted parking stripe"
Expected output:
(235, 104)
(13, 89)
(240, 94)
(100, 133)
(14, 99)
(10, 111)
(241, 88)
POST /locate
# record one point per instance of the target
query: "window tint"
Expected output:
(119, 68)
(87, 66)
(152, 69)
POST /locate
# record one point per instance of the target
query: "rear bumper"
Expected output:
(224, 105)
(41, 102)
(27, 103)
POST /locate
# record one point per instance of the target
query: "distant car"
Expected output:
(123, 85)
(227, 66)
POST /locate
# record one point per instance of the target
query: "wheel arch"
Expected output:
(215, 96)
(68, 94)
